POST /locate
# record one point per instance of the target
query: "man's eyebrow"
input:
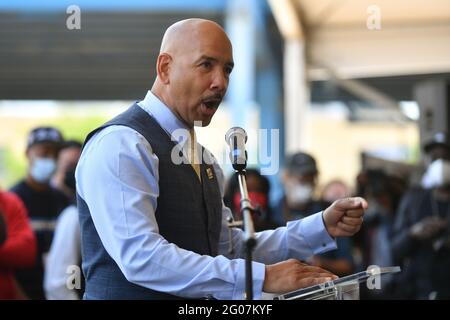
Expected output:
(208, 58)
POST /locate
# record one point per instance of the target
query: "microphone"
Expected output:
(236, 138)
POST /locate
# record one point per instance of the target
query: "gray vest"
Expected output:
(188, 213)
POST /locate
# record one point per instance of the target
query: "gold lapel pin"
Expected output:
(209, 173)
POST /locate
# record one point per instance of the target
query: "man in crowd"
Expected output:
(300, 180)
(421, 238)
(43, 202)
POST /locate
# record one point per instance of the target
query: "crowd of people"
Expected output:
(40, 221)
(405, 226)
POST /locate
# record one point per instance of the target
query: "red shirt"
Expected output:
(19, 249)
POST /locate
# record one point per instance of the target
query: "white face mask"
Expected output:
(42, 169)
(298, 194)
(437, 174)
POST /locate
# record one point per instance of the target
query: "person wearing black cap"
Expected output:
(421, 235)
(300, 179)
(42, 201)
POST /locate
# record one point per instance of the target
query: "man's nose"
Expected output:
(219, 81)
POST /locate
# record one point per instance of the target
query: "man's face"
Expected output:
(199, 76)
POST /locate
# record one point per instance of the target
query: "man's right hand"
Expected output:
(292, 274)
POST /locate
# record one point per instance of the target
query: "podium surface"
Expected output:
(345, 288)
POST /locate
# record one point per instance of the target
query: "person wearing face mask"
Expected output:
(300, 179)
(258, 187)
(43, 201)
(421, 238)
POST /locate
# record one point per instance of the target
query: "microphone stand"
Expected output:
(249, 231)
(238, 157)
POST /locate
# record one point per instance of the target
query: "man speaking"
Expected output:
(155, 228)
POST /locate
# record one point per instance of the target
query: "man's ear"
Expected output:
(163, 67)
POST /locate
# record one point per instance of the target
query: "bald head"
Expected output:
(184, 33)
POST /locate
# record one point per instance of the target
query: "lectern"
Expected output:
(345, 288)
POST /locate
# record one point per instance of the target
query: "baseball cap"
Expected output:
(437, 139)
(44, 135)
(301, 163)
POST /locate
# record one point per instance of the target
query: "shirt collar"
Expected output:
(165, 117)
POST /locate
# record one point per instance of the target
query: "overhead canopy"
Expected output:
(112, 56)
(414, 36)
(372, 50)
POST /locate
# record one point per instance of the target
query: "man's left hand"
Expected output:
(345, 216)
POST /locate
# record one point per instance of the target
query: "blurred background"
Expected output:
(359, 85)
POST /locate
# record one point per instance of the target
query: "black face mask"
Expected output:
(69, 179)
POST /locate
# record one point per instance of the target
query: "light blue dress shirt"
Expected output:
(117, 177)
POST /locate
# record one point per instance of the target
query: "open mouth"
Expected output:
(212, 103)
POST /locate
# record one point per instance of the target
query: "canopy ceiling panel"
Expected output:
(112, 56)
(413, 38)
